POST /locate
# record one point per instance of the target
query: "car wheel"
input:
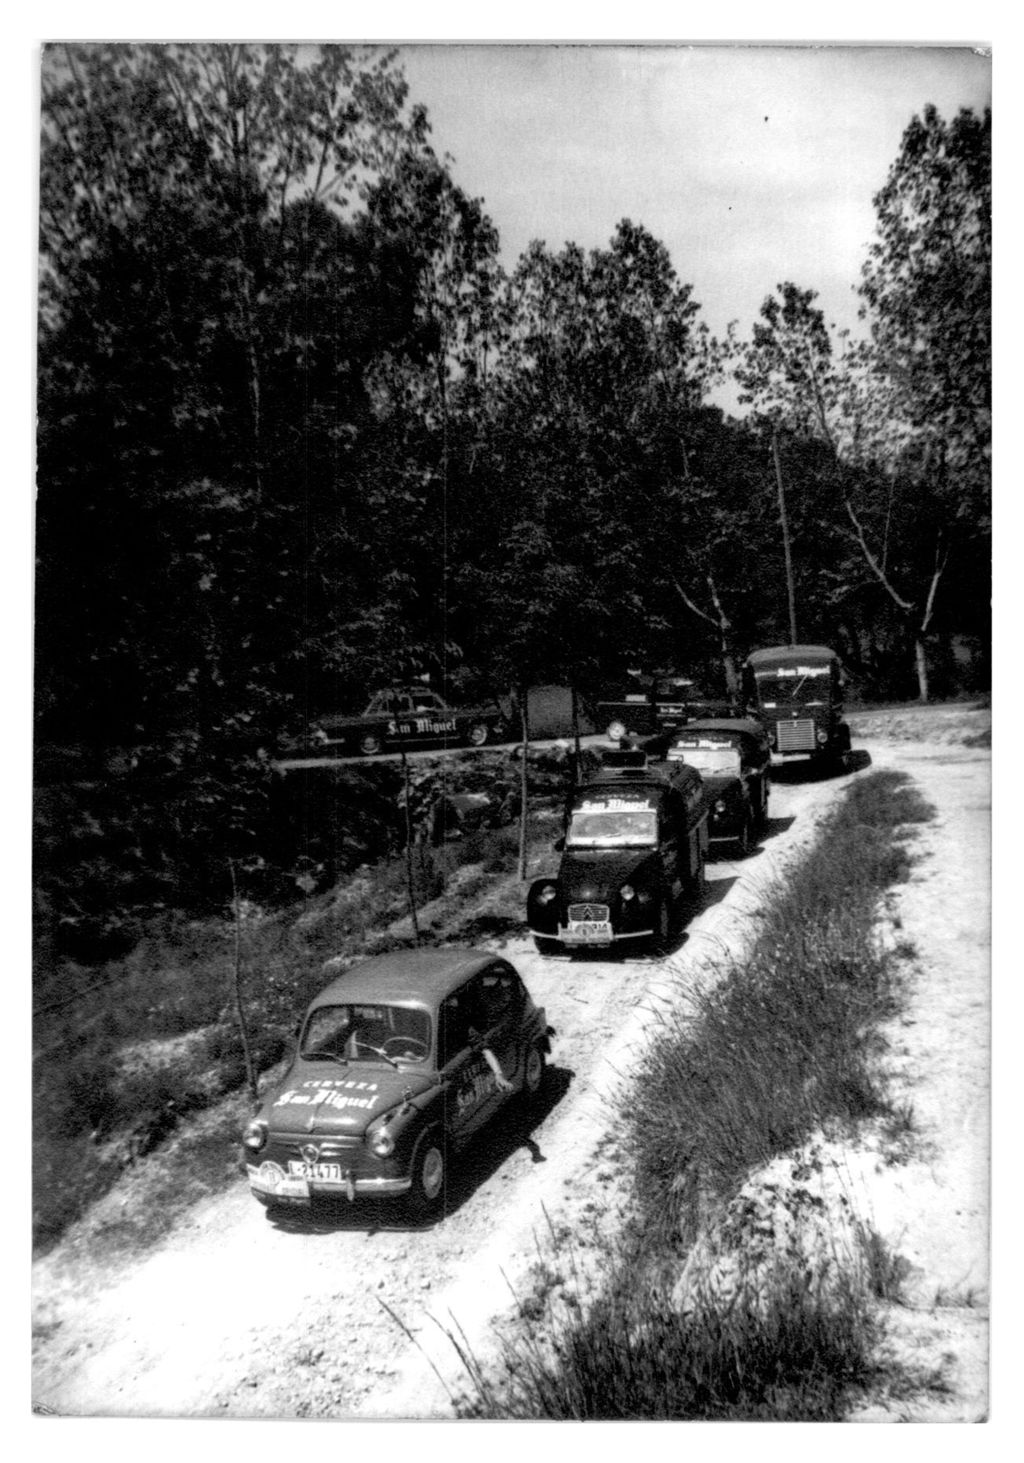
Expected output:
(429, 1173)
(547, 947)
(477, 734)
(533, 1076)
(744, 837)
(370, 744)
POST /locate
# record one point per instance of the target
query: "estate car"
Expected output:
(407, 715)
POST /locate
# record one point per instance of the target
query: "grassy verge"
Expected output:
(781, 1047)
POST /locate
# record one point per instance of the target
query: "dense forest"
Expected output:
(301, 432)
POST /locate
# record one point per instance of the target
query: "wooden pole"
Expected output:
(785, 539)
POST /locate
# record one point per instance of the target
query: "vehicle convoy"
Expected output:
(407, 715)
(399, 1062)
(648, 704)
(796, 691)
(734, 761)
(635, 843)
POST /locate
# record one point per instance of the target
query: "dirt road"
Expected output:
(239, 1317)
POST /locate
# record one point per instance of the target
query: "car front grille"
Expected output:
(796, 736)
(588, 911)
(330, 1150)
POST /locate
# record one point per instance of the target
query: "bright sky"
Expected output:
(752, 164)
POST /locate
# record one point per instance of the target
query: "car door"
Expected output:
(497, 1001)
(468, 1077)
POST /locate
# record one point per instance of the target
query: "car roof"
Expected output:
(424, 975)
(791, 655)
(739, 725)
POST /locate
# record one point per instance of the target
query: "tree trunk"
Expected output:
(524, 719)
(243, 1028)
(410, 883)
(921, 666)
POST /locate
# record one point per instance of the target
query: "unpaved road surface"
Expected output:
(235, 1316)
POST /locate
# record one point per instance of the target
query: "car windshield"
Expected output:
(802, 685)
(709, 761)
(599, 826)
(366, 1033)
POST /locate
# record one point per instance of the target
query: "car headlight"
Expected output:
(548, 893)
(721, 805)
(616, 731)
(382, 1143)
(255, 1135)
(627, 892)
(822, 737)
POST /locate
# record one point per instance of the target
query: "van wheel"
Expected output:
(547, 947)
(698, 880)
(429, 1174)
(662, 937)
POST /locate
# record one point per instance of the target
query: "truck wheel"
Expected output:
(370, 744)
(429, 1174)
(546, 946)
(477, 734)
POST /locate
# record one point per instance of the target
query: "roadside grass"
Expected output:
(784, 1045)
(117, 1069)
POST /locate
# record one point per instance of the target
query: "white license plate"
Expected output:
(326, 1172)
(590, 931)
(778, 759)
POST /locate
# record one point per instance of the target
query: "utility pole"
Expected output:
(785, 538)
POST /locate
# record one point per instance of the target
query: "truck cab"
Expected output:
(796, 692)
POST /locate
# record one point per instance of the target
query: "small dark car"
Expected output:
(407, 715)
(393, 1074)
(796, 691)
(649, 704)
(734, 760)
(635, 842)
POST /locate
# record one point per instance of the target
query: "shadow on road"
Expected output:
(510, 1131)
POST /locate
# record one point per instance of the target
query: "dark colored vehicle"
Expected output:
(393, 1074)
(635, 842)
(407, 715)
(734, 761)
(796, 691)
(648, 704)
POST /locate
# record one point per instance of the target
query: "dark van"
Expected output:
(635, 844)
(796, 692)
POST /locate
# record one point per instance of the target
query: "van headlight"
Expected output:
(546, 894)
(627, 893)
(616, 731)
(255, 1135)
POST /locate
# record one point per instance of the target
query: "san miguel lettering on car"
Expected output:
(420, 1037)
(635, 843)
(406, 714)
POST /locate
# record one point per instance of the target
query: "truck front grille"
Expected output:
(795, 736)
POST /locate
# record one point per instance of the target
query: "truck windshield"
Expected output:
(801, 686)
(613, 828)
(709, 761)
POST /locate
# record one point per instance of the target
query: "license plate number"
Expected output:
(326, 1172)
(590, 931)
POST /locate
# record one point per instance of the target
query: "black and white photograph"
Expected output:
(511, 730)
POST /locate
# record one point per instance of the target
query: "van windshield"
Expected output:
(709, 761)
(602, 827)
(801, 686)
